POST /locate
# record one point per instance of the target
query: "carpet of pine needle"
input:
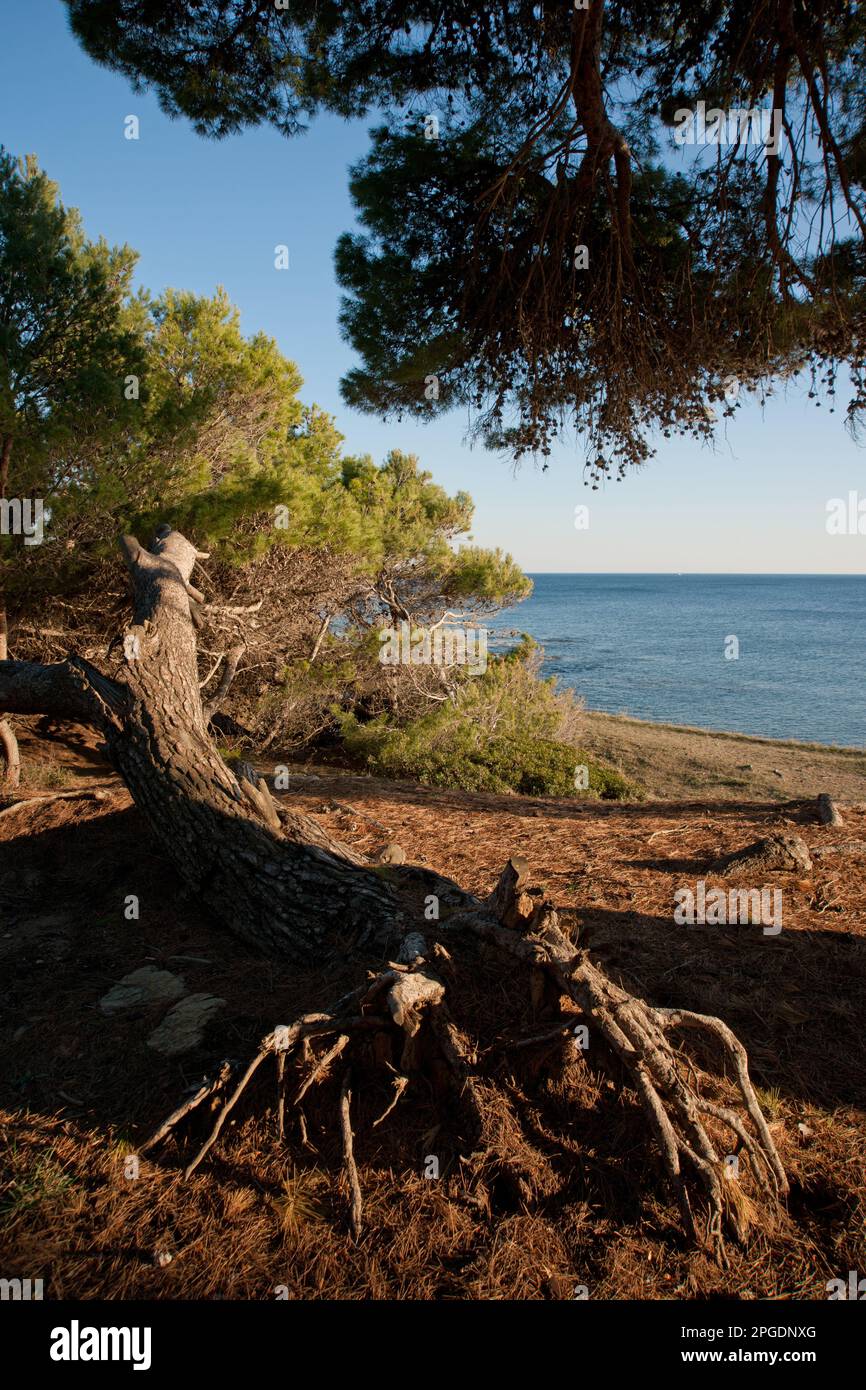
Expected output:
(564, 1193)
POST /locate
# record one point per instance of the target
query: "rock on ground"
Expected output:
(145, 986)
(183, 1026)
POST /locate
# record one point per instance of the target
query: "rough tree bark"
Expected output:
(281, 883)
(283, 893)
(8, 741)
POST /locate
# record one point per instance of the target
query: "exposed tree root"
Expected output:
(278, 880)
(356, 1203)
(637, 1034)
(206, 1091)
(706, 1147)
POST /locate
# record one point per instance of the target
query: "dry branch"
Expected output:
(357, 1201)
(205, 1091)
(92, 795)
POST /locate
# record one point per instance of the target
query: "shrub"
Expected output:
(500, 732)
(531, 766)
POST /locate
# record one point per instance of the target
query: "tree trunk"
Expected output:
(8, 741)
(285, 893)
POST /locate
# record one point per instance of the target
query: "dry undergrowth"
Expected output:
(568, 1195)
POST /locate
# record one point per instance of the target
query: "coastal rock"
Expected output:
(828, 813)
(393, 854)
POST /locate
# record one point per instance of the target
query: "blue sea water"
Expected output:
(653, 646)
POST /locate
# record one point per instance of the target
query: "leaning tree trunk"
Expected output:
(281, 883)
(284, 892)
(8, 741)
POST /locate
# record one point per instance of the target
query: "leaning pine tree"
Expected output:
(278, 880)
(540, 255)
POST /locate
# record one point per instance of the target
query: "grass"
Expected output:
(771, 1100)
(46, 774)
(299, 1203)
(44, 1180)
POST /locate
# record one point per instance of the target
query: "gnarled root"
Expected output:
(637, 1033)
(396, 999)
(703, 1143)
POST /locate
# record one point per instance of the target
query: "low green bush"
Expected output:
(498, 734)
(532, 766)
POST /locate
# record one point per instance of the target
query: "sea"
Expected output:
(779, 655)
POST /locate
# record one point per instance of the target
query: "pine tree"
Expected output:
(65, 350)
(535, 240)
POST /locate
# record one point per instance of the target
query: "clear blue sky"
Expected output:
(203, 213)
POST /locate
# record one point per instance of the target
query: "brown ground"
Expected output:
(671, 760)
(79, 1090)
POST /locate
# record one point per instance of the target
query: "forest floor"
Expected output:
(80, 1088)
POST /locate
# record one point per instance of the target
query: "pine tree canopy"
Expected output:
(542, 245)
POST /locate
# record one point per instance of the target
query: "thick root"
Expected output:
(702, 1142)
(637, 1033)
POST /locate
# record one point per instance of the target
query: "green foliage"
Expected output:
(442, 751)
(209, 441)
(499, 734)
(407, 526)
(145, 409)
(214, 439)
(556, 130)
(67, 343)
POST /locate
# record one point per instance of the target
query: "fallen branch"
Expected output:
(558, 1034)
(675, 830)
(361, 815)
(55, 796)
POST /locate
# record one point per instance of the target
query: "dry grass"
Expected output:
(566, 1195)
